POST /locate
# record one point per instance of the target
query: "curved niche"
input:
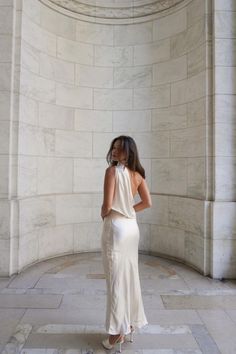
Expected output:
(83, 83)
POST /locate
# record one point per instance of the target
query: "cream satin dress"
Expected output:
(120, 238)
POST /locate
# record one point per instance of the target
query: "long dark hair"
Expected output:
(129, 147)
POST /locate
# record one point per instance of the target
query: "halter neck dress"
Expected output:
(120, 239)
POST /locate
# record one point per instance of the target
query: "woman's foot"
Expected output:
(117, 338)
(112, 340)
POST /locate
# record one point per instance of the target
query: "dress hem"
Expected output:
(134, 326)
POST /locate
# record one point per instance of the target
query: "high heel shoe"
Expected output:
(107, 345)
(131, 334)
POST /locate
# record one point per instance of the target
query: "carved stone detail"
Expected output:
(133, 11)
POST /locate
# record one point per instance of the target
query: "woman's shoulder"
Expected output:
(111, 170)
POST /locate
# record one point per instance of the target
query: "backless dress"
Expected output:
(120, 239)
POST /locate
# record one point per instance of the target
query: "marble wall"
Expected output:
(224, 207)
(81, 84)
(6, 150)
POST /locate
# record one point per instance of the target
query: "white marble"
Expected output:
(158, 213)
(29, 135)
(29, 57)
(170, 71)
(27, 178)
(55, 240)
(170, 25)
(168, 241)
(224, 227)
(4, 219)
(87, 236)
(224, 170)
(56, 69)
(225, 26)
(5, 72)
(225, 52)
(225, 80)
(37, 37)
(132, 121)
(94, 76)
(28, 110)
(4, 176)
(6, 20)
(5, 257)
(6, 46)
(215, 320)
(4, 105)
(153, 97)
(227, 5)
(225, 108)
(54, 116)
(109, 99)
(188, 142)
(189, 39)
(109, 56)
(18, 339)
(36, 213)
(195, 246)
(101, 144)
(77, 85)
(54, 175)
(195, 10)
(153, 145)
(93, 120)
(49, 20)
(169, 176)
(127, 34)
(145, 239)
(28, 249)
(151, 53)
(4, 136)
(88, 175)
(225, 139)
(174, 117)
(37, 87)
(196, 172)
(199, 112)
(72, 96)
(133, 77)
(189, 89)
(199, 59)
(73, 208)
(75, 52)
(187, 214)
(94, 33)
(73, 144)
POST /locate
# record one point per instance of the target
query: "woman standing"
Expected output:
(120, 237)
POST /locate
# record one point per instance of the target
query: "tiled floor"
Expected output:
(58, 307)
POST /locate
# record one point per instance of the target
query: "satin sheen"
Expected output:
(120, 238)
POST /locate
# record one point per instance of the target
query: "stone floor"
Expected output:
(58, 307)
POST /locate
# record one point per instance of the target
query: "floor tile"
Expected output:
(199, 301)
(29, 301)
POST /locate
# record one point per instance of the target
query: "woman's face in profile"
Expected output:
(117, 154)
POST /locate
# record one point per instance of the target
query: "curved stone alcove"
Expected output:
(85, 80)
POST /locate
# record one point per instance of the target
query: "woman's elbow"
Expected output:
(148, 203)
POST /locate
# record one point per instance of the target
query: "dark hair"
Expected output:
(129, 147)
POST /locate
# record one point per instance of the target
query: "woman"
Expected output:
(120, 237)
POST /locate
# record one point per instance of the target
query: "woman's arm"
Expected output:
(109, 188)
(146, 201)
